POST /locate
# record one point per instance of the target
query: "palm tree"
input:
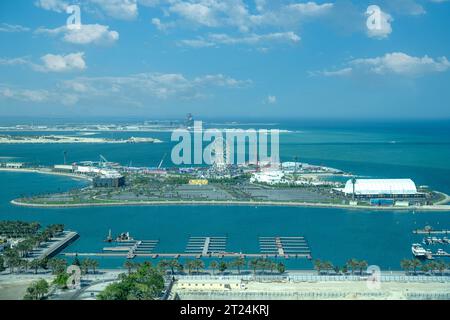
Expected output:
(281, 268)
(11, 259)
(41, 288)
(129, 265)
(174, 264)
(327, 266)
(253, 264)
(180, 267)
(2, 262)
(239, 263)
(37, 290)
(262, 264)
(318, 266)
(214, 265)
(35, 264)
(85, 265)
(57, 265)
(406, 265)
(163, 265)
(198, 264)
(415, 264)
(432, 266)
(272, 266)
(223, 266)
(440, 265)
(362, 265)
(425, 268)
(352, 264)
(94, 265)
(23, 263)
(190, 265)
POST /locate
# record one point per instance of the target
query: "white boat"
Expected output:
(418, 250)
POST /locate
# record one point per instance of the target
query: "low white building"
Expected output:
(14, 165)
(269, 177)
(380, 187)
(210, 284)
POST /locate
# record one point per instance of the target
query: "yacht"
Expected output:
(418, 251)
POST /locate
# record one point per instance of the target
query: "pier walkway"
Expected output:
(54, 245)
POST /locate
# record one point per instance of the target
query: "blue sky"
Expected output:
(231, 59)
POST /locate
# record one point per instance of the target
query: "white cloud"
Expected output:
(200, 13)
(37, 96)
(381, 29)
(6, 27)
(251, 39)
(270, 100)
(60, 63)
(237, 14)
(141, 87)
(402, 64)
(396, 63)
(134, 90)
(14, 61)
(119, 9)
(50, 62)
(87, 34)
(53, 5)
(162, 26)
(336, 73)
(405, 7)
(24, 94)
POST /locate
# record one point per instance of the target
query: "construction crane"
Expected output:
(103, 160)
(162, 160)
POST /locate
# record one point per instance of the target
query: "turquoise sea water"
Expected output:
(420, 151)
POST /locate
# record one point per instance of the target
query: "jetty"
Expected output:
(430, 231)
(54, 246)
(284, 246)
(205, 246)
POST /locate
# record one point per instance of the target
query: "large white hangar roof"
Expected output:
(381, 186)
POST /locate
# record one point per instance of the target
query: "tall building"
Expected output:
(189, 121)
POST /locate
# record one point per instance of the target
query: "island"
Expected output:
(34, 139)
(289, 184)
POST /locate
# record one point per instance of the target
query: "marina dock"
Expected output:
(207, 247)
(430, 231)
(284, 246)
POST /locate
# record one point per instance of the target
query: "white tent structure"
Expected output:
(375, 187)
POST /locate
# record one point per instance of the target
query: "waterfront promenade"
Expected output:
(310, 286)
(112, 203)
